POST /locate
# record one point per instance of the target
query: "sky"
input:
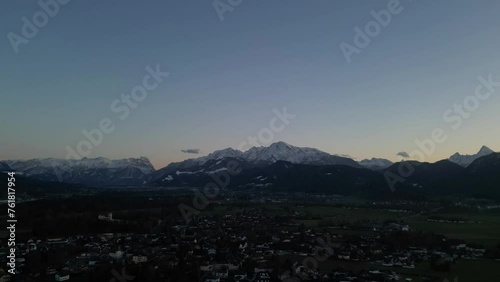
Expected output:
(228, 70)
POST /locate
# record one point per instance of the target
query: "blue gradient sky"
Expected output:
(226, 77)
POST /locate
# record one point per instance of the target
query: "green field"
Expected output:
(487, 232)
(464, 270)
(351, 214)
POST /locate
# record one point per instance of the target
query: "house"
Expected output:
(212, 252)
(263, 277)
(139, 259)
(32, 247)
(116, 255)
(108, 217)
(224, 274)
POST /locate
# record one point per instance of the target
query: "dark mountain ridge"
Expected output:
(261, 170)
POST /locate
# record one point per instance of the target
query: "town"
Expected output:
(273, 237)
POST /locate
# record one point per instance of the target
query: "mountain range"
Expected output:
(98, 171)
(466, 160)
(4, 167)
(279, 167)
(375, 163)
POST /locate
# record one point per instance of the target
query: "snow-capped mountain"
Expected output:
(180, 175)
(216, 155)
(466, 160)
(281, 151)
(252, 158)
(255, 157)
(280, 167)
(375, 163)
(103, 171)
(92, 171)
(4, 167)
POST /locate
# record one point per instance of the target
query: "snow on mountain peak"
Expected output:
(47, 165)
(466, 160)
(375, 163)
(485, 150)
(282, 146)
(278, 151)
(281, 151)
